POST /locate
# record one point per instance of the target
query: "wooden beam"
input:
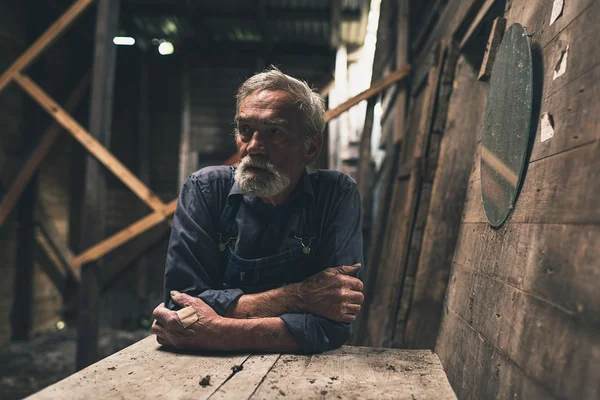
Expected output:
(123, 236)
(89, 142)
(491, 49)
(40, 152)
(93, 213)
(377, 87)
(55, 243)
(117, 263)
(51, 34)
(483, 12)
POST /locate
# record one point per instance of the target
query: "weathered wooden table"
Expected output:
(145, 371)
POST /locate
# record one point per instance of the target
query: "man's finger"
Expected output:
(351, 270)
(162, 315)
(352, 308)
(355, 297)
(182, 299)
(353, 283)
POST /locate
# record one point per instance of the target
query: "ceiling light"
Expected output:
(166, 48)
(124, 41)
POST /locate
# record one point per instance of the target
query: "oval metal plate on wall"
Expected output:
(506, 125)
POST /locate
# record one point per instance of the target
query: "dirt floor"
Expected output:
(29, 366)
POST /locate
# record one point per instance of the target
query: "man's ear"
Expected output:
(316, 142)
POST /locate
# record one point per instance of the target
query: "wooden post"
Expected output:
(94, 195)
(402, 57)
(143, 145)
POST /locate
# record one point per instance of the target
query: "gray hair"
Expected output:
(310, 103)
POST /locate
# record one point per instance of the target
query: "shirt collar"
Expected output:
(304, 186)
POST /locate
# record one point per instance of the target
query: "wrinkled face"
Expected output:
(270, 143)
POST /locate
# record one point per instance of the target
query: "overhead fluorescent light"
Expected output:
(124, 41)
(166, 48)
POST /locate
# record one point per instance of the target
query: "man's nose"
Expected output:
(256, 145)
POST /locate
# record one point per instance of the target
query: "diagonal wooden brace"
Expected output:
(40, 152)
(123, 236)
(89, 142)
(43, 41)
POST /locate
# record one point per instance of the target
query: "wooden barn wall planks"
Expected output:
(53, 69)
(521, 313)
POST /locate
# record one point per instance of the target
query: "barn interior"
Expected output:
(107, 106)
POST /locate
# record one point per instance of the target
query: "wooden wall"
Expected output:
(12, 42)
(512, 312)
(521, 313)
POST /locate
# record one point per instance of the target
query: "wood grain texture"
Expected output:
(477, 369)
(42, 43)
(145, 371)
(584, 50)
(566, 361)
(447, 199)
(357, 373)
(558, 189)
(535, 16)
(40, 152)
(88, 141)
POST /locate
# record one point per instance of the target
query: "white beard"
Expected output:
(268, 181)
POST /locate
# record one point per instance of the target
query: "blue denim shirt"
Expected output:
(194, 264)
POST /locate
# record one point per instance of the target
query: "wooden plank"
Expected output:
(50, 265)
(244, 383)
(40, 152)
(557, 189)
(477, 369)
(514, 320)
(576, 116)
(560, 269)
(93, 213)
(584, 50)
(357, 373)
(447, 199)
(144, 370)
(394, 77)
(402, 58)
(88, 141)
(451, 19)
(55, 245)
(491, 49)
(22, 315)
(42, 43)
(377, 242)
(535, 15)
(481, 14)
(105, 246)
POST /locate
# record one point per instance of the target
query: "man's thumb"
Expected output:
(351, 270)
(181, 299)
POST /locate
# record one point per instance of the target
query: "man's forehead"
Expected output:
(275, 100)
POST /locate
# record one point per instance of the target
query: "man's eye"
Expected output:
(275, 132)
(244, 130)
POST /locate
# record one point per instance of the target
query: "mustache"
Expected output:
(256, 162)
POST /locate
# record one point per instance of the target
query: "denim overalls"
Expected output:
(294, 264)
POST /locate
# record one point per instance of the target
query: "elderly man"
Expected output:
(265, 255)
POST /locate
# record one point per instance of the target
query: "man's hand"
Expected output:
(333, 293)
(201, 335)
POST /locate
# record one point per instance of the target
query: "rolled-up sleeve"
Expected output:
(192, 265)
(342, 245)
